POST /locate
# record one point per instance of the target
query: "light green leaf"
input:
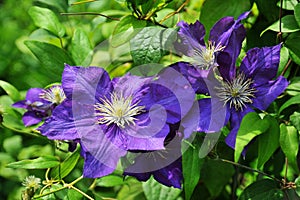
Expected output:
(292, 101)
(268, 142)
(109, 181)
(295, 119)
(60, 5)
(13, 145)
(66, 166)
(265, 189)
(292, 44)
(284, 57)
(150, 44)
(288, 25)
(288, 4)
(82, 50)
(10, 90)
(216, 174)
(297, 13)
(214, 10)
(289, 143)
(156, 191)
(191, 165)
(131, 191)
(43, 162)
(297, 182)
(251, 126)
(46, 19)
(293, 88)
(51, 57)
(126, 29)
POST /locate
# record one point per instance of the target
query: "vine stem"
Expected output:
(175, 12)
(286, 67)
(66, 186)
(249, 168)
(280, 16)
(91, 13)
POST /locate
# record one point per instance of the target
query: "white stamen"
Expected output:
(237, 92)
(205, 57)
(54, 95)
(118, 110)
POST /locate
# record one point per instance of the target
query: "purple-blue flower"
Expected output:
(39, 103)
(223, 46)
(110, 117)
(253, 85)
(164, 165)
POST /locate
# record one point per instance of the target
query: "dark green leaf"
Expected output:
(293, 88)
(297, 13)
(265, 189)
(110, 181)
(251, 126)
(268, 142)
(291, 43)
(289, 144)
(51, 57)
(295, 119)
(66, 166)
(157, 191)
(82, 50)
(292, 101)
(126, 29)
(215, 175)
(150, 44)
(62, 6)
(46, 19)
(288, 25)
(10, 90)
(38, 163)
(191, 165)
(214, 10)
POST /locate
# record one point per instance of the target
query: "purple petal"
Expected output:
(235, 122)
(191, 36)
(33, 95)
(85, 84)
(30, 118)
(193, 75)
(261, 64)
(21, 104)
(268, 92)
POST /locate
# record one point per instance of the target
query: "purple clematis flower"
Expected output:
(164, 165)
(252, 86)
(110, 117)
(39, 103)
(223, 47)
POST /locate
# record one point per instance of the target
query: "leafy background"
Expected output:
(37, 39)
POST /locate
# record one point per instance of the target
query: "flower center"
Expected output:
(205, 57)
(119, 110)
(54, 95)
(237, 92)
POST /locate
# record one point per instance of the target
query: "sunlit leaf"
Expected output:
(288, 25)
(82, 50)
(43, 162)
(110, 181)
(10, 90)
(292, 101)
(295, 119)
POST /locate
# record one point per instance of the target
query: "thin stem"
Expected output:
(175, 12)
(61, 43)
(81, 2)
(248, 168)
(286, 67)
(84, 194)
(280, 16)
(286, 168)
(91, 13)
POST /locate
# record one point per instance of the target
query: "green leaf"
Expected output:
(284, 57)
(150, 44)
(214, 10)
(109, 181)
(66, 166)
(156, 191)
(191, 165)
(62, 6)
(10, 90)
(131, 191)
(291, 43)
(292, 101)
(46, 19)
(43, 162)
(293, 88)
(288, 25)
(251, 126)
(216, 174)
(289, 143)
(126, 29)
(288, 4)
(82, 50)
(51, 57)
(297, 13)
(265, 189)
(295, 119)
(13, 145)
(297, 182)
(268, 142)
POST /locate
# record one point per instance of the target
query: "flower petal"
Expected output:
(261, 64)
(21, 104)
(268, 92)
(30, 118)
(33, 95)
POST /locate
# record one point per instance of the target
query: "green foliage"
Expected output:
(42, 162)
